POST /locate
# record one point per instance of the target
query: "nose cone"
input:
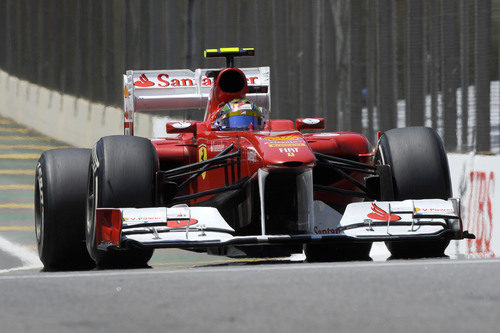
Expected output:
(284, 151)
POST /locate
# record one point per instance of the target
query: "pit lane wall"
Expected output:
(63, 117)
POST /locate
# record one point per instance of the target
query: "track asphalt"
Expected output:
(187, 292)
(400, 296)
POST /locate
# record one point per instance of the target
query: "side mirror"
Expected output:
(310, 124)
(181, 127)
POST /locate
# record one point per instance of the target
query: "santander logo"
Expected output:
(143, 82)
(163, 80)
(381, 215)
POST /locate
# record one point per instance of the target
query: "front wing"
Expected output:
(194, 227)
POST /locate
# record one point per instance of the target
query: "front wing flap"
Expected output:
(189, 227)
(407, 218)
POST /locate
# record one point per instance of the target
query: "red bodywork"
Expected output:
(278, 148)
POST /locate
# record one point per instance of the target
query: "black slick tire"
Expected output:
(122, 173)
(60, 194)
(420, 170)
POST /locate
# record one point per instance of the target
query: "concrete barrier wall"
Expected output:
(66, 118)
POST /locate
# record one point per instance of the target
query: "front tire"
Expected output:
(122, 173)
(60, 191)
(420, 170)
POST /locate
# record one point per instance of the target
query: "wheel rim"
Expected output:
(91, 211)
(91, 204)
(39, 206)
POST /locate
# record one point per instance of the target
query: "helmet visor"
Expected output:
(241, 122)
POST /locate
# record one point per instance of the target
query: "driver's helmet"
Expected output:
(240, 114)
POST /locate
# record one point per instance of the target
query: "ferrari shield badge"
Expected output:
(202, 156)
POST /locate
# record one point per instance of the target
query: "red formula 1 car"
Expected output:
(239, 183)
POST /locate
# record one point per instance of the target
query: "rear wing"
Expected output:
(180, 89)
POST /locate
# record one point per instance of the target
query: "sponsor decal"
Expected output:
(276, 145)
(289, 151)
(217, 146)
(251, 79)
(165, 81)
(434, 210)
(319, 231)
(181, 223)
(311, 121)
(181, 125)
(143, 82)
(326, 134)
(144, 218)
(207, 82)
(289, 141)
(202, 156)
(379, 214)
(479, 217)
(171, 223)
(282, 138)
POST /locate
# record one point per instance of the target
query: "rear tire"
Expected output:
(60, 191)
(420, 170)
(122, 173)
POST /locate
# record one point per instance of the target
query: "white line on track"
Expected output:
(283, 267)
(20, 268)
(28, 257)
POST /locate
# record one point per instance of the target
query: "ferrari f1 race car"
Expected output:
(240, 183)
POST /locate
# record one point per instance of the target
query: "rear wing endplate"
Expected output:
(180, 89)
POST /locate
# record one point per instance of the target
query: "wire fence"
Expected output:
(364, 65)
